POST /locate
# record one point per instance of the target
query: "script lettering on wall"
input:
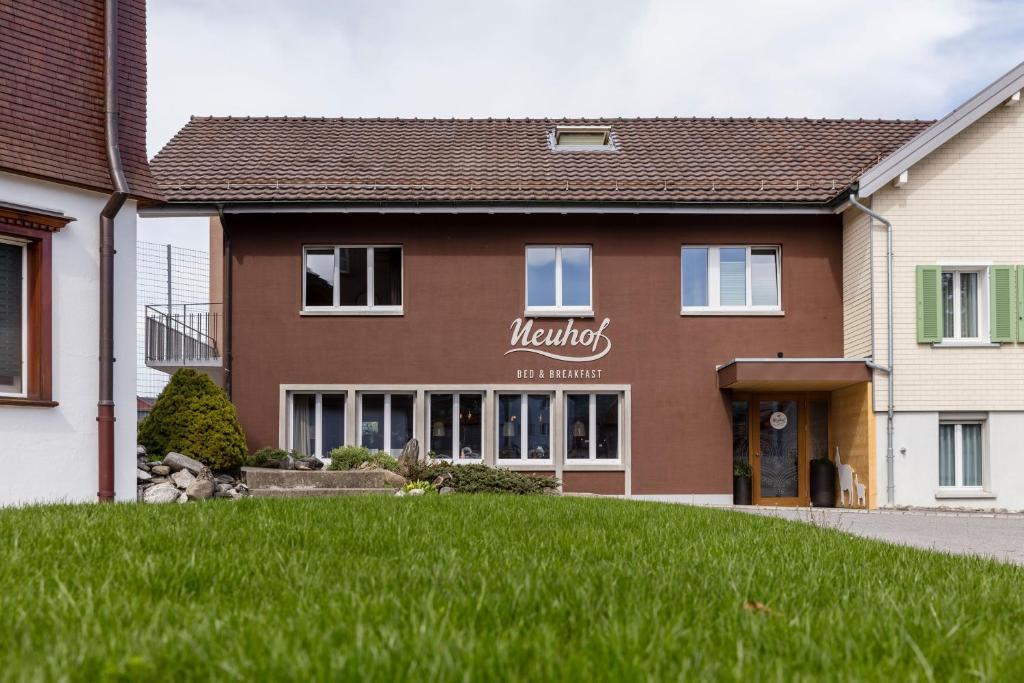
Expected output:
(564, 343)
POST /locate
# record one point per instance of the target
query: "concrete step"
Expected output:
(263, 478)
(318, 492)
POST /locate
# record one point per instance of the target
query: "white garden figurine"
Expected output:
(861, 491)
(845, 481)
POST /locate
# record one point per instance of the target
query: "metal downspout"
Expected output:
(105, 406)
(226, 294)
(890, 489)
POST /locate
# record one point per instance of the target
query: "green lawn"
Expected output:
(486, 588)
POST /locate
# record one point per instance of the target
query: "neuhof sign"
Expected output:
(567, 344)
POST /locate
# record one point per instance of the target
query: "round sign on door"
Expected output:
(778, 420)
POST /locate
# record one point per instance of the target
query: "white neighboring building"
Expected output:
(56, 176)
(955, 198)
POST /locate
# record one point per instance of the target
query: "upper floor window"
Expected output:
(352, 279)
(13, 317)
(963, 304)
(730, 278)
(558, 280)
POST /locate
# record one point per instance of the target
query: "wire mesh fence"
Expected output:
(167, 276)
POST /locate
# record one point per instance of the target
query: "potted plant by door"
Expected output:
(742, 493)
(823, 482)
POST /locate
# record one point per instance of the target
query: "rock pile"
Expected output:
(179, 478)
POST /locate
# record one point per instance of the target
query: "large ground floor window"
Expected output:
(456, 425)
(534, 426)
(317, 422)
(524, 426)
(385, 421)
(592, 426)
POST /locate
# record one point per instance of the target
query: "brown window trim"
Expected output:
(37, 228)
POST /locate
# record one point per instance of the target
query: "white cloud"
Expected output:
(906, 58)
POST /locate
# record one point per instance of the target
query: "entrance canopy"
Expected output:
(792, 374)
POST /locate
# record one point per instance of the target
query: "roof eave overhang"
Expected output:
(192, 209)
(941, 131)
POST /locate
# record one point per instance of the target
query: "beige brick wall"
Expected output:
(964, 205)
(856, 285)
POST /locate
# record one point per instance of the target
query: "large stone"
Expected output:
(177, 461)
(161, 493)
(183, 479)
(203, 487)
(143, 464)
(142, 475)
(159, 480)
(224, 479)
(160, 470)
(140, 449)
(446, 490)
(410, 455)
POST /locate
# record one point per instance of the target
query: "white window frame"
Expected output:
(958, 454)
(24, 317)
(524, 429)
(714, 281)
(336, 308)
(456, 427)
(318, 421)
(388, 446)
(558, 309)
(984, 333)
(592, 427)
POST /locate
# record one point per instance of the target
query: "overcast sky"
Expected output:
(848, 58)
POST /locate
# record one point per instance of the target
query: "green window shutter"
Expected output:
(1020, 303)
(1003, 303)
(929, 304)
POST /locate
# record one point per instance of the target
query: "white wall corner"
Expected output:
(901, 179)
(1014, 99)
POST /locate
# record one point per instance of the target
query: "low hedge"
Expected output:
(484, 479)
(351, 457)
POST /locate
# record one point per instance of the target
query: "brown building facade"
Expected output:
(624, 307)
(463, 291)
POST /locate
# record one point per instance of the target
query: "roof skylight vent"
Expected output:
(582, 138)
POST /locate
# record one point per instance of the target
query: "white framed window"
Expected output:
(558, 280)
(592, 427)
(455, 421)
(731, 278)
(358, 279)
(13, 317)
(386, 421)
(316, 422)
(965, 305)
(961, 454)
(524, 427)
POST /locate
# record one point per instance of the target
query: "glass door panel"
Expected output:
(779, 446)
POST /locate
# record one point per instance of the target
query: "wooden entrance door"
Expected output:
(780, 444)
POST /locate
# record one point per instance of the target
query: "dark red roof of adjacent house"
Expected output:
(675, 160)
(52, 92)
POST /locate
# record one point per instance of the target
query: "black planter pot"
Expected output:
(741, 491)
(823, 483)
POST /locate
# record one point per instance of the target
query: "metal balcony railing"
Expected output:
(183, 334)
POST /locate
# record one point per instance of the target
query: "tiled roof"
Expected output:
(511, 160)
(52, 92)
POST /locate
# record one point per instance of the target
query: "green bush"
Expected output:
(265, 455)
(484, 479)
(351, 457)
(193, 416)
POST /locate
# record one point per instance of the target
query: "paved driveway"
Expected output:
(1000, 536)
